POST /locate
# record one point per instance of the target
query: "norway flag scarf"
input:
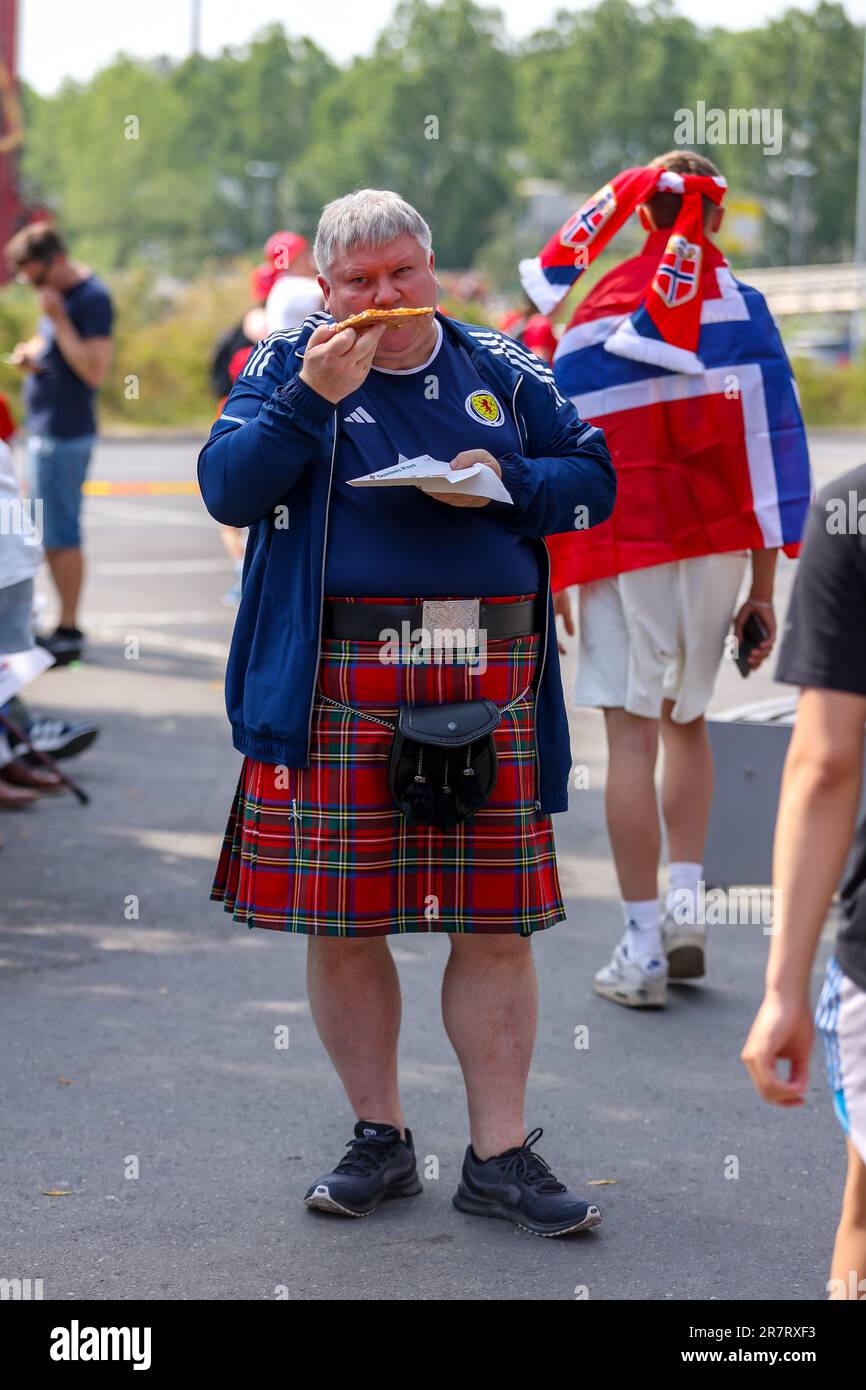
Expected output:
(664, 329)
(708, 460)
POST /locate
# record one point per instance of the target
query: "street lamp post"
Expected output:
(267, 171)
(195, 27)
(800, 171)
(858, 329)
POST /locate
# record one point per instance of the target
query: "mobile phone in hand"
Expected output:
(754, 633)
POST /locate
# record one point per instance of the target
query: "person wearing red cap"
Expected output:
(295, 292)
(242, 336)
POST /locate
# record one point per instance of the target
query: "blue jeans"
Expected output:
(56, 472)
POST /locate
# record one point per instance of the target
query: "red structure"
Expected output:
(12, 212)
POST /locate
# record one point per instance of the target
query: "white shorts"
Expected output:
(657, 634)
(840, 1017)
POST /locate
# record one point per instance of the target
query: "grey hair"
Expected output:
(368, 217)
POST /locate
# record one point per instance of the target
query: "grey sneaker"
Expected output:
(639, 984)
(685, 948)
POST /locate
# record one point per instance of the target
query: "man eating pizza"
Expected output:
(316, 843)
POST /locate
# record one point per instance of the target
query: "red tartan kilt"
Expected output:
(324, 850)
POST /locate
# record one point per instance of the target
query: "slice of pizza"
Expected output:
(393, 318)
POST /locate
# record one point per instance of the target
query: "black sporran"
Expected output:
(442, 766)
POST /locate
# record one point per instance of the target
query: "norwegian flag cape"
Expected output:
(707, 461)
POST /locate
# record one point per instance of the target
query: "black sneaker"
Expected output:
(379, 1165)
(65, 644)
(518, 1186)
(55, 736)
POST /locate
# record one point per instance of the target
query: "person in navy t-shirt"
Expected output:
(66, 362)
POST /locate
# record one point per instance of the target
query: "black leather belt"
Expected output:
(364, 622)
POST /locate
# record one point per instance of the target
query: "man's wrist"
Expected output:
(301, 397)
(788, 984)
(315, 389)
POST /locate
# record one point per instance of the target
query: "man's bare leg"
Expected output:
(687, 795)
(490, 1010)
(849, 1252)
(630, 803)
(687, 785)
(67, 571)
(354, 994)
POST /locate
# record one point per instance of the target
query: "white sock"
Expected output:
(682, 897)
(643, 930)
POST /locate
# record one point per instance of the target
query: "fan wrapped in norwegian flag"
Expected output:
(683, 368)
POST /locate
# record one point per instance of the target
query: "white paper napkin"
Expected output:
(433, 475)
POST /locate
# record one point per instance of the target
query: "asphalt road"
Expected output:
(140, 1072)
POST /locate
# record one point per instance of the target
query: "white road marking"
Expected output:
(175, 616)
(163, 641)
(217, 565)
(108, 511)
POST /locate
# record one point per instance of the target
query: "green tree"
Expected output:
(809, 65)
(150, 159)
(446, 111)
(430, 114)
(597, 90)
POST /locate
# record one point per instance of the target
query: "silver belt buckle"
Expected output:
(460, 617)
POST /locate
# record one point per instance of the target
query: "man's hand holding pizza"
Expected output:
(338, 356)
(337, 361)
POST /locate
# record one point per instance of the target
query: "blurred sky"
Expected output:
(60, 38)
